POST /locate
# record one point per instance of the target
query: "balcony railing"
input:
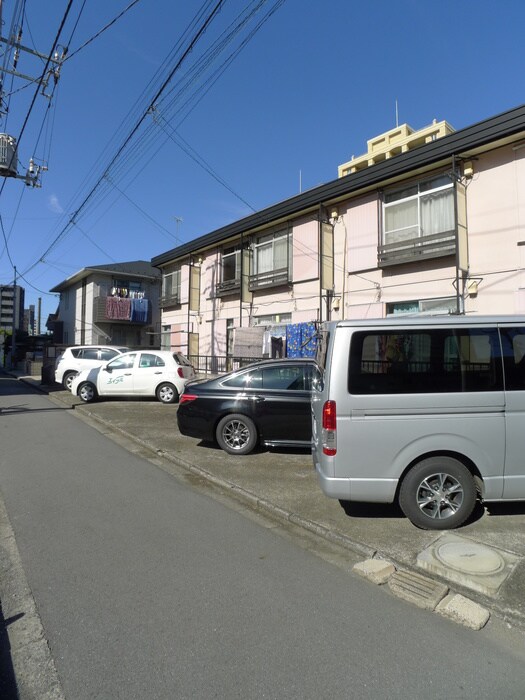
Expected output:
(273, 278)
(414, 249)
(227, 287)
(172, 299)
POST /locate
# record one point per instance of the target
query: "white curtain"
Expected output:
(404, 221)
(264, 258)
(272, 255)
(401, 221)
(437, 212)
(281, 253)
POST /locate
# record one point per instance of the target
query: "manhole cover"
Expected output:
(470, 557)
(472, 564)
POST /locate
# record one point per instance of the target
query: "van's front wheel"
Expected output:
(438, 493)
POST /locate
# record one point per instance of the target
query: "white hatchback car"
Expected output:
(76, 358)
(159, 373)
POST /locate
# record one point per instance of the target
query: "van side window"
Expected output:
(513, 346)
(425, 361)
(323, 342)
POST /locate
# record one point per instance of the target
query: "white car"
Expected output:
(159, 373)
(74, 359)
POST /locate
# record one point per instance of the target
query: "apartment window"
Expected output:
(230, 271)
(272, 319)
(443, 305)
(165, 338)
(419, 220)
(127, 287)
(421, 209)
(271, 253)
(231, 265)
(271, 260)
(170, 288)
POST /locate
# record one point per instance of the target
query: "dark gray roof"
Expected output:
(462, 142)
(135, 269)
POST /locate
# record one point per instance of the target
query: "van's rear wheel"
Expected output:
(438, 493)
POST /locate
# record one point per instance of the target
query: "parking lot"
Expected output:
(284, 484)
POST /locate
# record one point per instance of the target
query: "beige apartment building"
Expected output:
(428, 221)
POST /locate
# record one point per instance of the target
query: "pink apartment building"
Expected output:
(428, 221)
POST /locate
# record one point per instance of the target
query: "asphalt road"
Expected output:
(150, 588)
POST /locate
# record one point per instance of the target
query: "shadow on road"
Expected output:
(371, 510)
(8, 686)
(517, 508)
(10, 410)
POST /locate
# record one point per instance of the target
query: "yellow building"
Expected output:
(399, 140)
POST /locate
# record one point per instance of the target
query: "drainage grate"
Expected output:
(417, 589)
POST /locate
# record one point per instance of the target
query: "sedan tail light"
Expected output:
(187, 397)
(329, 428)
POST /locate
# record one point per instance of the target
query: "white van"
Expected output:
(428, 411)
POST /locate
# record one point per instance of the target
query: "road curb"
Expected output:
(33, 669)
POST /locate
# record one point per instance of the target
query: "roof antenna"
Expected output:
(397, 116)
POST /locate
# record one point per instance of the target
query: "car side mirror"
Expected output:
(106, 368)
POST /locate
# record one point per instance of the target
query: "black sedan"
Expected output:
(266, 403)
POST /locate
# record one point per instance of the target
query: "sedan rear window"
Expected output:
(289, 378)
(246, 380)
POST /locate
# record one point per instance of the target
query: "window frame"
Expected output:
(400, 367)
(273, 276)
(418, 196)
(171, 293)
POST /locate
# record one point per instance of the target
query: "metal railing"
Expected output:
(413, 249)
(273, 278)
(218, 364)
(227, 287)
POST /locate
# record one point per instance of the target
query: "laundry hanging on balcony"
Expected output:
(139, 310)
(274, 341)
(248, 342)
(301, 339)
(118, 308)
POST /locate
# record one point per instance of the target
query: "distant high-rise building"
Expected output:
(11, 307)
(30, 320)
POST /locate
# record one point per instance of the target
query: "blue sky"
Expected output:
(304, 93)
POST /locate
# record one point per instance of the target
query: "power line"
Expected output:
(134, 130)
(101, 31)
(144, 213)
(122, 157)
(185, 146)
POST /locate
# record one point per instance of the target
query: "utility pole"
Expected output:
(8, 144)
(13, 337)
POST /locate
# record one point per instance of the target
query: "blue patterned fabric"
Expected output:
(301, 340)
